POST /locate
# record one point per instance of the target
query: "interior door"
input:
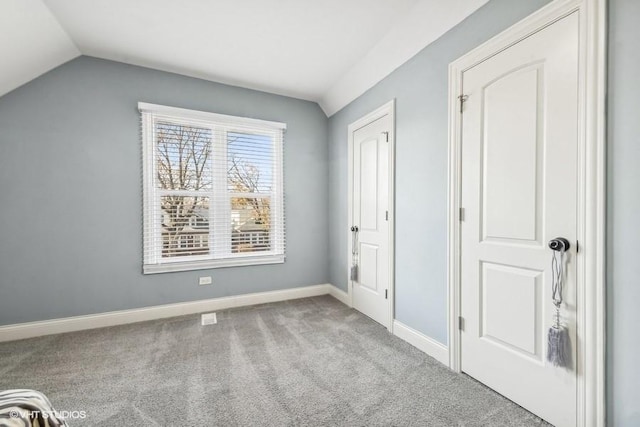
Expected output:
(370, 235)
(519, 190)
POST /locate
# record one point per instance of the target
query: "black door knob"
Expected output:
(559, 244)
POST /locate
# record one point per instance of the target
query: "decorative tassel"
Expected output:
(559, 346)
(354, 273)
(558, 339)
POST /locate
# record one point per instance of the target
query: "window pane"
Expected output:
(250, 159)
(185, 226)
(183, 157)
(250, 224)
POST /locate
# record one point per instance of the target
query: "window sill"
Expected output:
(212, 263)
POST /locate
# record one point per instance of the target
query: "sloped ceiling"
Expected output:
(328, 51)
(32, 42)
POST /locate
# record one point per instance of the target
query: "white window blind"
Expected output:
(213, 190)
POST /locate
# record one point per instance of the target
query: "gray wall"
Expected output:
(70, 168)
(70, 171)
(420, 89)
(624, 205)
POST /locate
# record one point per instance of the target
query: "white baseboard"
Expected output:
(433, 348)
(101, 320)
(340, 295)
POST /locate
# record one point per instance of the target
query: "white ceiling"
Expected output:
(32, 42)
(329, 51)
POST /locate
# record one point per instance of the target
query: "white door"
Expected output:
(370, 205)
(519, 190)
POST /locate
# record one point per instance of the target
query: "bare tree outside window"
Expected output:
(183, 168)
(183, 164)
(250, 180)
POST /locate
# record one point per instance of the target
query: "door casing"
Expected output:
(386, 109)
(591, 310)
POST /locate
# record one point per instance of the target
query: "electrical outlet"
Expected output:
(205, 280)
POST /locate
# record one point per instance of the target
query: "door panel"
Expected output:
(511, 307)
(519, 190)
(370, 175)
(369, 266)
(368, 184)
(511, 145)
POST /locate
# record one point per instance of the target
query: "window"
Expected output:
(213, 190)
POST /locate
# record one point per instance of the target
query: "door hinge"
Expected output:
(463, 99)
(577, 246)
(386, 215)
(461, 323)
(386, 136)
(461, 214)
(386, 294)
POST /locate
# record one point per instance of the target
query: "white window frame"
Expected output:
(221, 255)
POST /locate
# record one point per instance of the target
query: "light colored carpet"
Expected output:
(306, 362)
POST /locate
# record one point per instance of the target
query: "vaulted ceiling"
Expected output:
(328, 51)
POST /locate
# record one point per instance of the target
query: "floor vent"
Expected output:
(209, 319)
